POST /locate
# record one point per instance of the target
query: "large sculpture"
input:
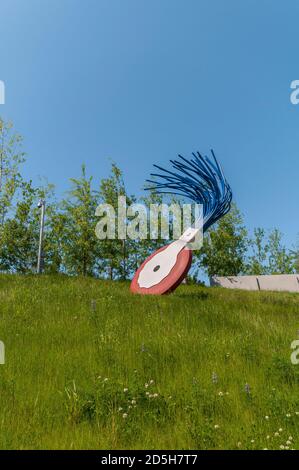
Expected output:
(200, 179)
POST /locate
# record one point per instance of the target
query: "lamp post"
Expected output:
(41, 205)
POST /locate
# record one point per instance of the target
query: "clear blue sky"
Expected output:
(139, 81)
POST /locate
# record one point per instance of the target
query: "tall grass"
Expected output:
(89, 365)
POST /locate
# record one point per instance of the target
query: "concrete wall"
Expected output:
(279, 282)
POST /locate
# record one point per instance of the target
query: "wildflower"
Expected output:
(266, 418)
(297, 413)
(280, 429)
(125, 415)
(216, 426)
(276, 434)
(288, 443)
(120, 408)
(147, 393)
(106, 379)
(287, 448)
(220, 394)
(125, 390)
(133, 402)
(247, 389)
(281, 447)
(288, 415)
(290, 438)
(268, 437)
(155, 395)
(239, 444)
(151, 381)
(252, 441)
(146, 385)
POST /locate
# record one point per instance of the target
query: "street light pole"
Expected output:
(41, 205)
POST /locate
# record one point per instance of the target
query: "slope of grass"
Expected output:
(89, 365)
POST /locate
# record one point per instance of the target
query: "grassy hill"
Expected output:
(89, 365)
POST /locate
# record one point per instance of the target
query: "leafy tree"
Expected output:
(281, 260)
(257, 262)
(78, 245)
(115, 252)
(11, 158)
(295, 254)
(225, 245)
(20, 234)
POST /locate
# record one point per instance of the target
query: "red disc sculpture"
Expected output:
(202, 180)
(165, 269)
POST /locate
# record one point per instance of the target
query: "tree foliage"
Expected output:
(225, 246)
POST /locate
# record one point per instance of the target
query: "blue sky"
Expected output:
(139, 81)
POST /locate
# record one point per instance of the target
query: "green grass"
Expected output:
(73, 345)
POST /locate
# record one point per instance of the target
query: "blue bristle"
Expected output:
(200, 179)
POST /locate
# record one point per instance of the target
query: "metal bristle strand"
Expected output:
(200, 179)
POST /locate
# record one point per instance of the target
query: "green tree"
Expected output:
(281, 260)
(257, 262)
(11, 157)
(225, 245)
(19, 242)
(78, 245)
(115, 262)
